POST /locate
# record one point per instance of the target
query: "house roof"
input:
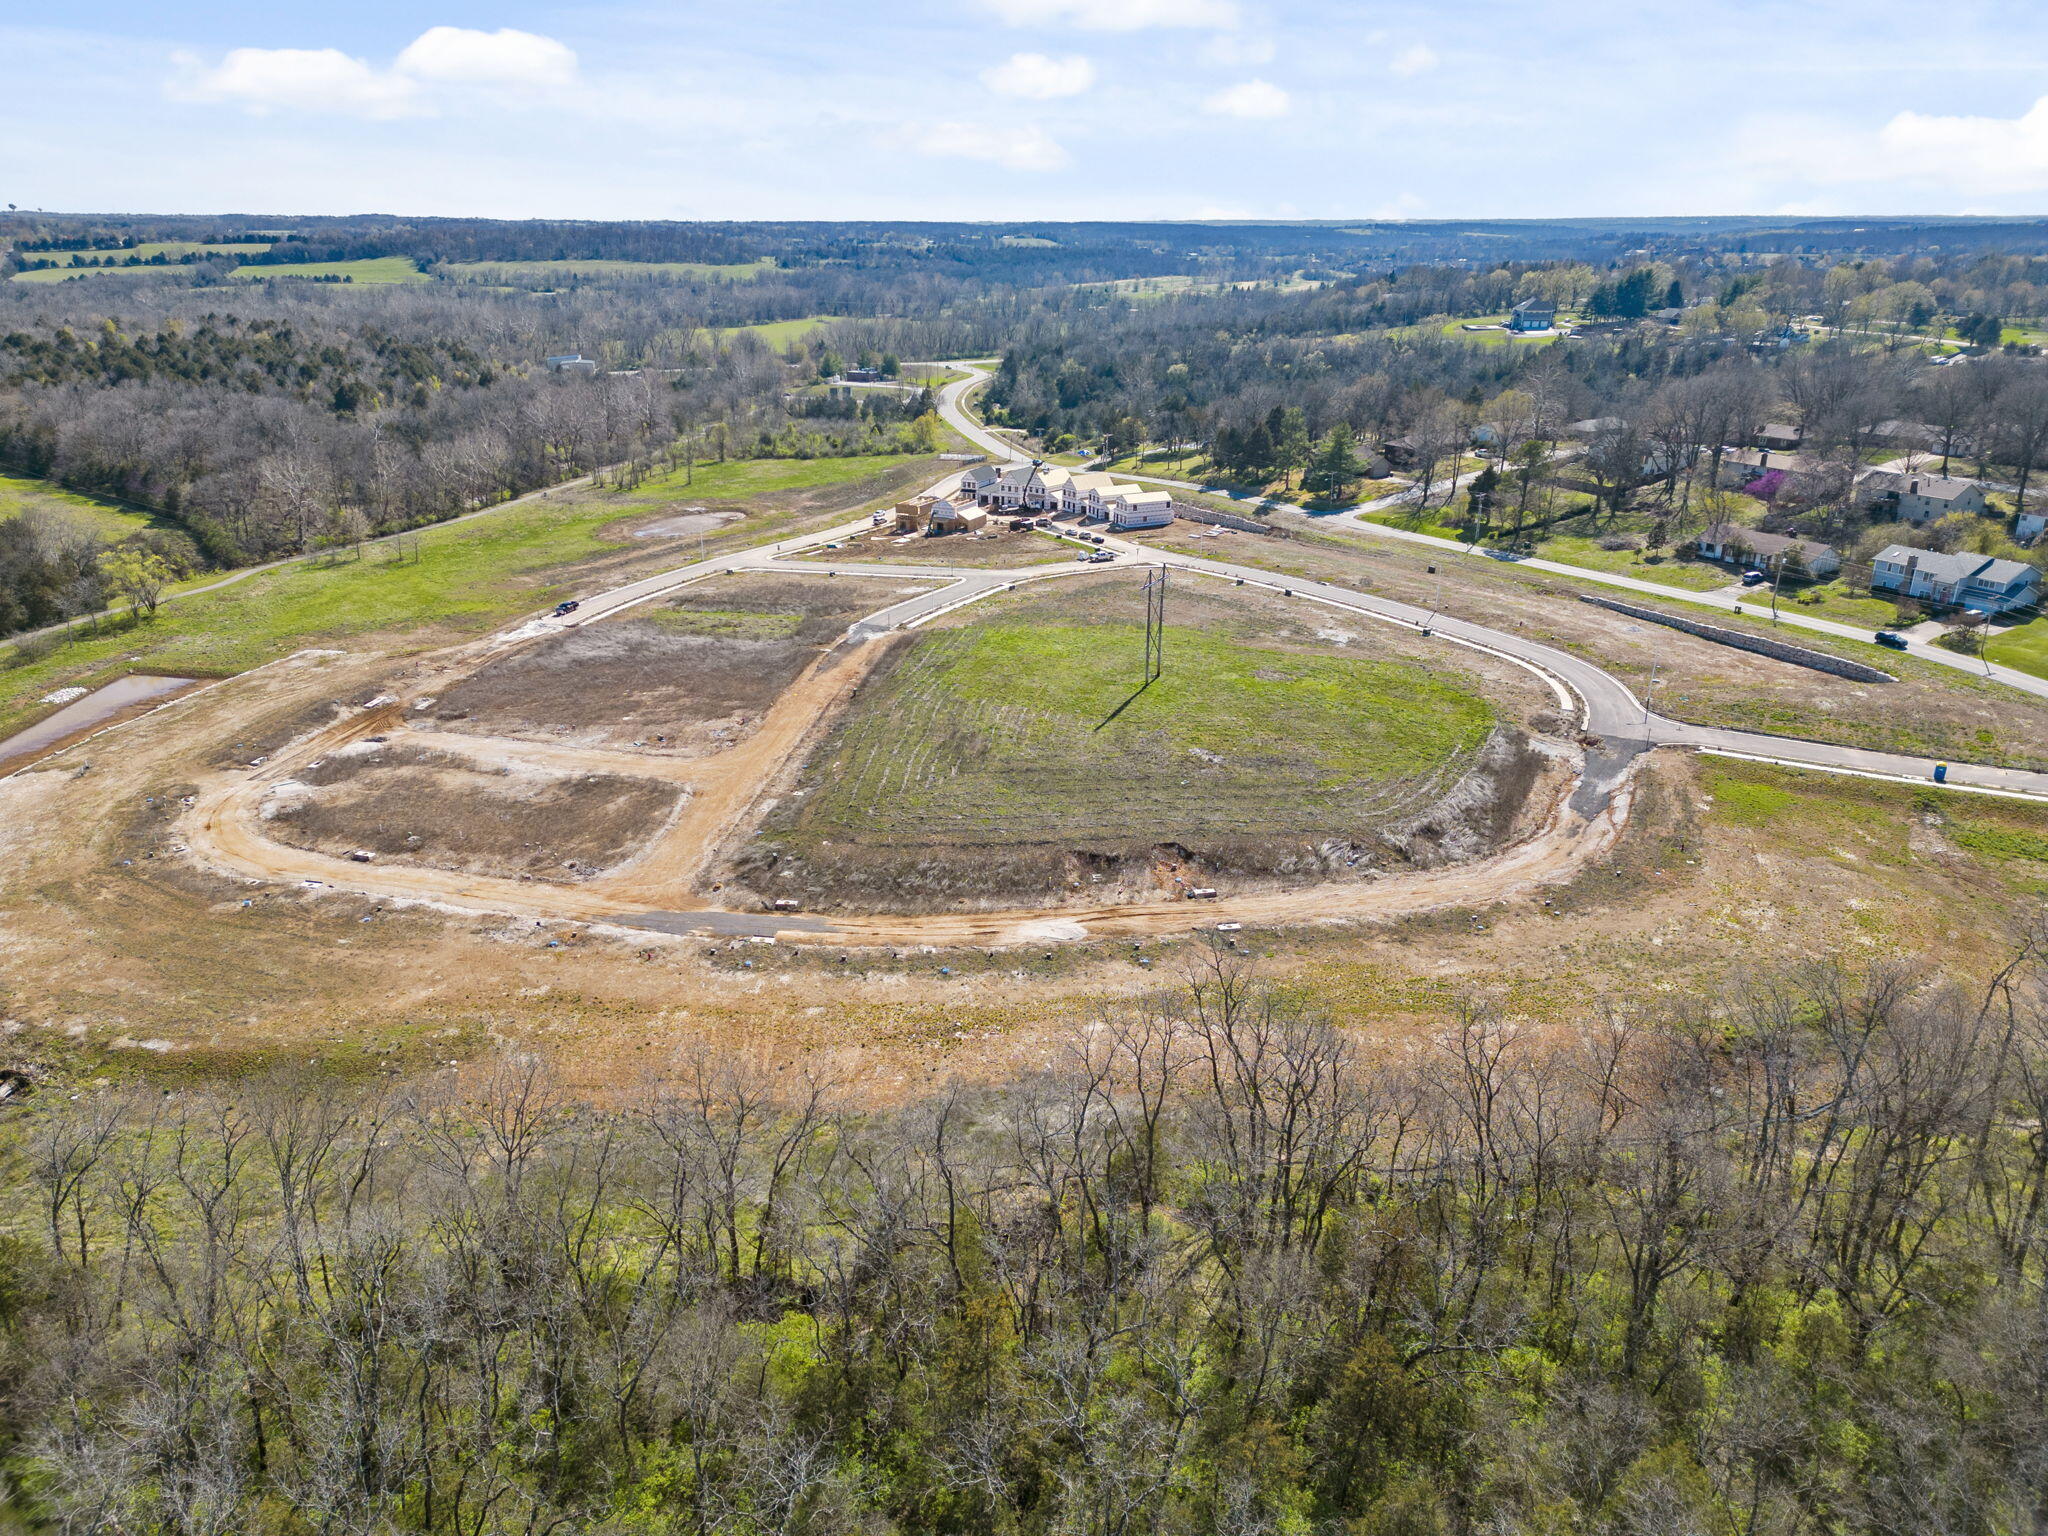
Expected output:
(1533, 305)
(1933, 487)
(1769, 458)
(1958, 569)
(1779, 429)
(1133, 495)
(1769, 545)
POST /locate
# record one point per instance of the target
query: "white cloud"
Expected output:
(503, 57)
(1254, 98)
(303, 79)
(1035, 77)
(1237, 48)
(327, 80)
(1971, 154)
(1938, 160)
(1415, 59)
(1016, 147)
(1117, 15)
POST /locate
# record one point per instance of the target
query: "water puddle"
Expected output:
(97, 707)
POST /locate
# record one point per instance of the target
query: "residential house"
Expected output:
(1732, 544)
(1742, 466)
(1917, 498)
(572, 362)
(2029, 526)
(1780, 435)
(863, 375)
(1131, 506)
(1533, 315)
(956, 517)
(1036, 485)
(1955, 581)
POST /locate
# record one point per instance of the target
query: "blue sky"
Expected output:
(1127, 109)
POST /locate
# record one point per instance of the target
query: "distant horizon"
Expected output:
(1304, 221)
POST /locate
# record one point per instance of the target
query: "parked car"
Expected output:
(1755, 578)
(569, 607)
(1891, 641)
(1095, 538)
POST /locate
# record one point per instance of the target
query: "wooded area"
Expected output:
(1765, 1262)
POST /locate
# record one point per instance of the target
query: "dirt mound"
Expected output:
(425, 807)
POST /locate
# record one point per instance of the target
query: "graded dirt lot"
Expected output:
(416, 805)
(691, 675)
(997, 549)
(1008, 755)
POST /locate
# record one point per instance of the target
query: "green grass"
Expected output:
(371, 269)
(473, 575)
(1864, 822)
(171, 249)
(1839, 600)
(109, 520)
(1665, 570)
(1014, 730)
(1411, 519)
(2023, 647)
(1455, 330)
(503, 272)
(778, 334)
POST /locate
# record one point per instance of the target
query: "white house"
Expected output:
(1918, 498)
(1131, 507)
(1737, 545)
(1090, 494)
(1955, 581)
(2030, 526)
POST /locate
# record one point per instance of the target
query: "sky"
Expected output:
(1022, 109)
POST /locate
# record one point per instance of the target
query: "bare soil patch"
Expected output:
(427, 807)
(690, 676)
(995, 549)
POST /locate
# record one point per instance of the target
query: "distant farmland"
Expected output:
(371, 269)
(525, 273)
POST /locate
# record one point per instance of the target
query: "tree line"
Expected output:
(1769, 1261)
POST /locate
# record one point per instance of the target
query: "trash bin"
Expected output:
(1941, 773)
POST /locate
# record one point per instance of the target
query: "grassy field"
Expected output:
(110, 520)
(171, 250)
(372, 269)
(470, 575)
(777, 333)
(1869, 824)
(1666, 570)
(1455, 330)
(2023, 647)
(526, 272)
(1013, 729)
(1412, 519)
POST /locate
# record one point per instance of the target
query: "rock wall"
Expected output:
(1778, 650)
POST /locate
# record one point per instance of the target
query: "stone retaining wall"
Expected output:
(1778, 650)
(1200, 514)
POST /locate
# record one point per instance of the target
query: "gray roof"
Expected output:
(1765, 544)
(1779, 429)
(1958, 569)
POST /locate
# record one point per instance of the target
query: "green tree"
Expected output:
(1292, 446)
(136, 576)
(1336, 464)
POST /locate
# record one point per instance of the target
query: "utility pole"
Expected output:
(1776, 577)
(1650, 694)
(1155, 626)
